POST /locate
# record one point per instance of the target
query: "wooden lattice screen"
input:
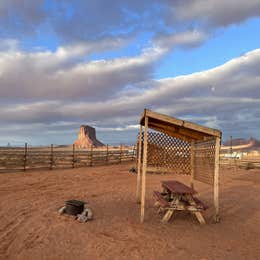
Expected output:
(167, 154)
(204, 161)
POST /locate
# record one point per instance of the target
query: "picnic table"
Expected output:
(178, 196)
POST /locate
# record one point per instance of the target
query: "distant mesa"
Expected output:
(87, 137)
(242, 144)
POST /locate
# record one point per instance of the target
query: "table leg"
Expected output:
(169, 212)
(199, 217)
(167, 215)
(197, 214)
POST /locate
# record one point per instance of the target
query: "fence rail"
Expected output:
(26, 158)
(244, 163)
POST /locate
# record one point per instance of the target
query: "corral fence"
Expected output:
(56, 157)
(246, 162)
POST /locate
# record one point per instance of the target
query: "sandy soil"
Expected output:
(31, 228)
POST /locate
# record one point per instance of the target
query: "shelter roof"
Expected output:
(178, 128)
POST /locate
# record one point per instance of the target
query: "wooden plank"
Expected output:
(161, 200)
(138, 182)
(25, 156)
(107, 153)
(200, 217)
(202, 129)
(167, 215)
(120, 153)
(162, 117)
(51, 164)
(216, 180)
(177, 131)
(180, 123)
(177, 187)
(172, 133)
(91, 156)
(144, 169)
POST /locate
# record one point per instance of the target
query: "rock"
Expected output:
(88, 212)
(62, 210)
(86, 215)
(87, 137)
(82, 218)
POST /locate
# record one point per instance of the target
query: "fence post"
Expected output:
(91, 156)
(107, 154)
(73, 156)
(25, 157)
(51, 166)
(120, 153)
(133, 156)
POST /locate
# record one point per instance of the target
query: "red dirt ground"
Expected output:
(31, 228)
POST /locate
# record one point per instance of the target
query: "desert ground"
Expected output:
(31, 228)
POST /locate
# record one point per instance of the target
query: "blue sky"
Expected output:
(66, 63)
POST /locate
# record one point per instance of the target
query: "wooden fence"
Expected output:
(27, 158)
(245, 162)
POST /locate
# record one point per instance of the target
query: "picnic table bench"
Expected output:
(178, 196)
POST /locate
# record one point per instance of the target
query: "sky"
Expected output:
(67, 63)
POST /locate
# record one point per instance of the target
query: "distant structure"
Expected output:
(87, 137)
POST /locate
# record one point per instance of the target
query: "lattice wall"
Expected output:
(204, 161)
(168, 153)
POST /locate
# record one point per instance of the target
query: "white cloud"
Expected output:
(188, 96)
(184, 39)
(217, 12)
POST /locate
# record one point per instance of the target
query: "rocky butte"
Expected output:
(87, 137)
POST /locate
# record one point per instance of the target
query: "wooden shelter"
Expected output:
(179, 147)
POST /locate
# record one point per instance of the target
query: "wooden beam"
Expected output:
(144, 169)
(216, 180)
(192, 163)
(180, 131)
(164, 118)
(139, 163)
(25, 156)
(202, 129)
(181, 123)
(143, 116)
(195, 135)
(171, 133)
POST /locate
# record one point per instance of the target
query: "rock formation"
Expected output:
(242, 144)
(87, 137)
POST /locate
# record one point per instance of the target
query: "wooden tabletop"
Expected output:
(178, 187)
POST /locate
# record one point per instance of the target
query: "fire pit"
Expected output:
(74, 207)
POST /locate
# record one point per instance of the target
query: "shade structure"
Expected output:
(177, 146)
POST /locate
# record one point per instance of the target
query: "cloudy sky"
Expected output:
(66, 63)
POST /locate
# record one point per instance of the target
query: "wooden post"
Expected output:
(91, 156)
(144, 169)
(120, 159)
(107, 155)
(192, 163)
(139, 163)
(134, 151)
(216, 180)
(73, 156)
(25, 156)
(51, 166)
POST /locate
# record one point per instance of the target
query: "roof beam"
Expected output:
(171, 133)
(181, 123)
(178, 131)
